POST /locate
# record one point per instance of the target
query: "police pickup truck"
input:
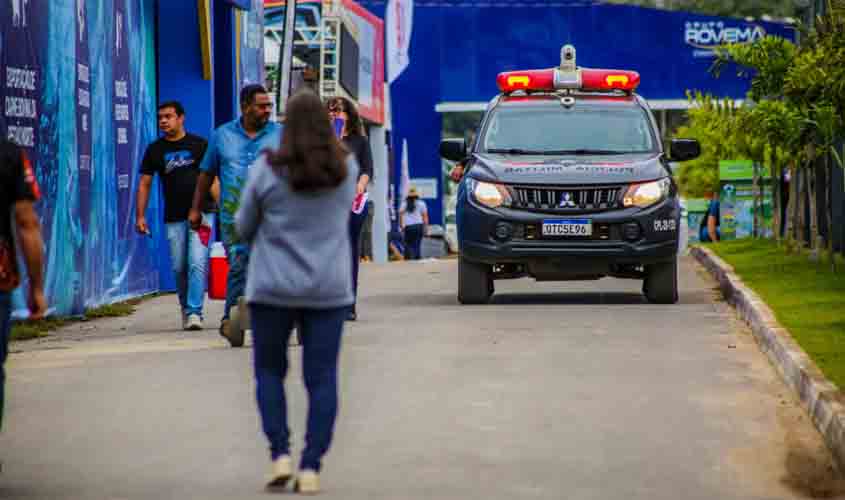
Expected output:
(567, 179)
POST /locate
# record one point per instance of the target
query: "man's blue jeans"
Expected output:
(189, 259)
(5, 330)
(238, 256)
(320, 331)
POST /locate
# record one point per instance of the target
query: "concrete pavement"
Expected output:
(556, 390)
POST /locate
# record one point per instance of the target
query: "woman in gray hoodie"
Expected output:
(294, 213)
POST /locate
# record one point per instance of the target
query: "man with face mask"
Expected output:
(233, 148)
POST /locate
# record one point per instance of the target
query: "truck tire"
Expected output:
(661, 282)
(475, 282)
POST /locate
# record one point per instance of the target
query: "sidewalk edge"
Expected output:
(820, 397)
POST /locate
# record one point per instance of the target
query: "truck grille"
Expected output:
(567, 199)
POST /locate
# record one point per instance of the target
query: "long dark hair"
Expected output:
(310, 157)
(354, 126)
(411, 204)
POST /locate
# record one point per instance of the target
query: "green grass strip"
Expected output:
(807, 297)
(25, 330)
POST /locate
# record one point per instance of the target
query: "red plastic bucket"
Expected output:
(218, 270)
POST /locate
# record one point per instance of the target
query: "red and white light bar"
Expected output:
(568, 76)
(551, 79)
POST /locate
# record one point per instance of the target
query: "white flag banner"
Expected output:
(405, 176)
(399, 24)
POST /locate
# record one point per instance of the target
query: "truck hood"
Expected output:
(569, 169)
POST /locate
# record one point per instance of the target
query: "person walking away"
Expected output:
(175, 158)
(294, 214)
(232, 150)
(356, 142)
(413, 219)
(18, 194)
(708, 230)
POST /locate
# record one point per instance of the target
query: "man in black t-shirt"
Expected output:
(18, 194)
(175, 158)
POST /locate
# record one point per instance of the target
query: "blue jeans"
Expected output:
(238, 256)
(320, 331)
(189, 259)
(413, 241)
(5, 330)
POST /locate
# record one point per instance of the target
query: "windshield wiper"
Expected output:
(586, 152)
(515, 151)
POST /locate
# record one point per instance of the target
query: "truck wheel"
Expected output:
(475, 282)
(661, 282)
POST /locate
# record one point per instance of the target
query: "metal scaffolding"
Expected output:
(323, 37)
(329, 51)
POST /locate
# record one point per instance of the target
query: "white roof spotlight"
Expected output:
(567, 76)
(567, 58)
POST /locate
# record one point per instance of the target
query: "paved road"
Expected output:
(555, 391)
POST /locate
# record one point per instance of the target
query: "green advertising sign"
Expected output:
(696, 211)
(736, 199)
(740, 170)
(697, 205)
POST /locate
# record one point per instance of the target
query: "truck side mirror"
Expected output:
(453, 149)
(684, 149)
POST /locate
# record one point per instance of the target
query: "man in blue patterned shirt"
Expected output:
(232, 150)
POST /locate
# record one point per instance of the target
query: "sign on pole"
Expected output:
(405, 179)
(399, 22)
(287, 55)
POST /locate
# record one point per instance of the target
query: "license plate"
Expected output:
(567, 227)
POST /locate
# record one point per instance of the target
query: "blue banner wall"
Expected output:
(77, 83)
(249, 46)
(458, 48)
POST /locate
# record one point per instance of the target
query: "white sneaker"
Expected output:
(294, 336)
(281, 470)
(193, 322)
(307, 482)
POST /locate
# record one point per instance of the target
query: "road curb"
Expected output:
(822, 400)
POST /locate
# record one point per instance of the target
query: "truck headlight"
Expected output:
(489, 194)
(647, 194)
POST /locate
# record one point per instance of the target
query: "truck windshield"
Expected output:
(568, 131)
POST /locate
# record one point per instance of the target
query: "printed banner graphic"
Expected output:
(250, 45)
(77, 87)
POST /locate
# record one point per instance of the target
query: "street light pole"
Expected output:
(287, 55)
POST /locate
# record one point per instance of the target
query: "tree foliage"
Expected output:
(711, 122)
(767, 62)
(793, 117)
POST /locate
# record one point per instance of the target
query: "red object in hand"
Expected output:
(359, 202)
(218, 271)
(204, 234)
